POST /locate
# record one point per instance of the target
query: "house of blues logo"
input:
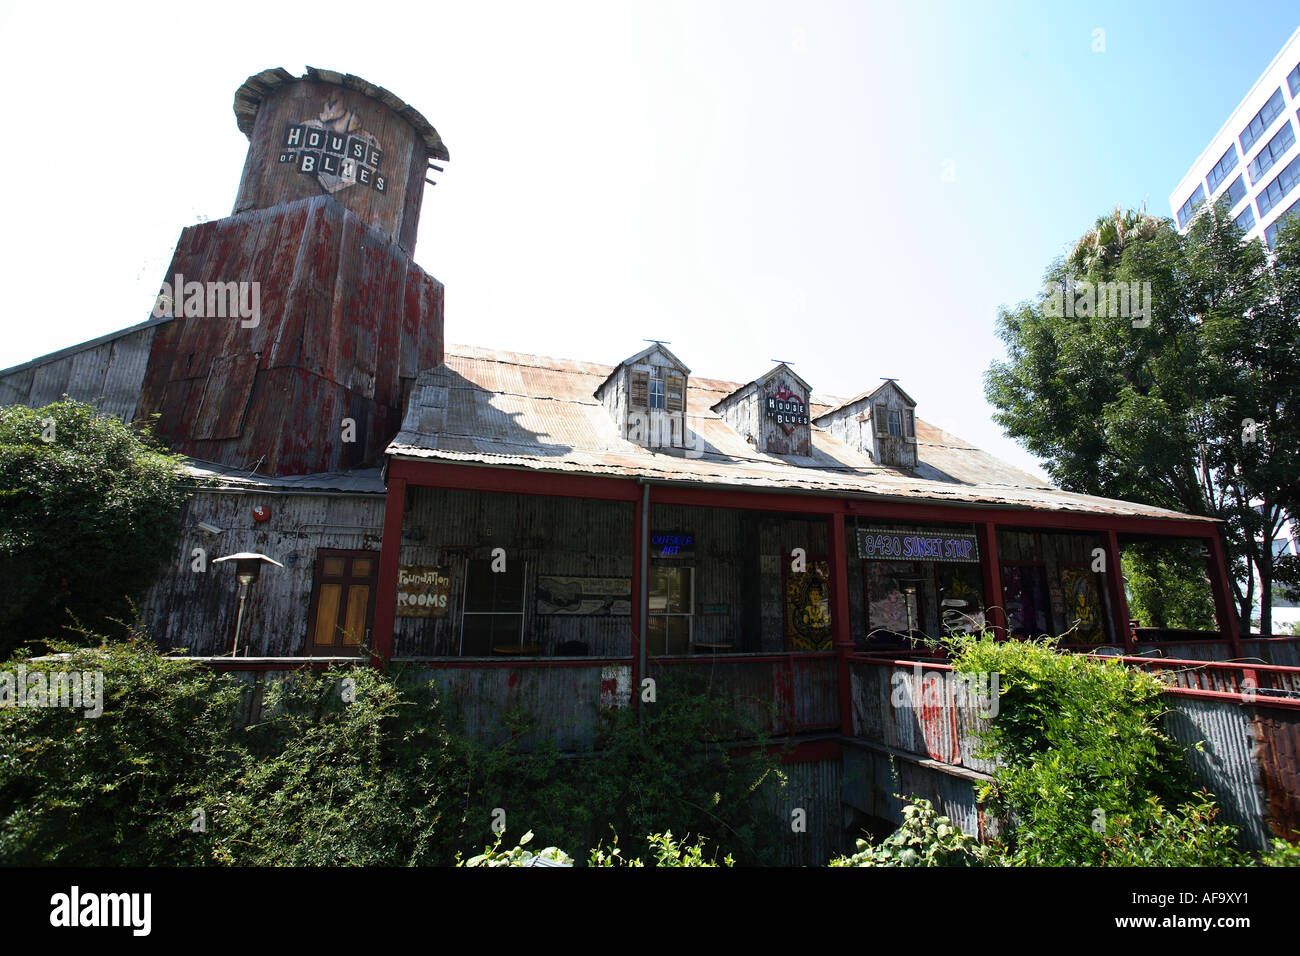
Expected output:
(786, 408)
(335, 149)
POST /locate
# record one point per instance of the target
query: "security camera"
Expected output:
(210, 528)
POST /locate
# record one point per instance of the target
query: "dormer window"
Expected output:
(646, 397)
(890, 438)
(771, 413)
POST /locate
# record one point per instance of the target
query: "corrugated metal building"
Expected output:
(546, 530)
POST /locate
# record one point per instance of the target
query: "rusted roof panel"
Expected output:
(506, 408)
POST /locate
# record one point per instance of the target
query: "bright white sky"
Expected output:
(749, 181)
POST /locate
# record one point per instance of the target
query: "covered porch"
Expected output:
(574, 590)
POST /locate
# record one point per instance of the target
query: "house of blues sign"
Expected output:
(948, 547)
(336, 150)
(786, 408)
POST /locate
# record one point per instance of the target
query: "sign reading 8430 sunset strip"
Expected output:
(881, 544)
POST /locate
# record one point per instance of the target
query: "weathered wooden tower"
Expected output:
(301, 320)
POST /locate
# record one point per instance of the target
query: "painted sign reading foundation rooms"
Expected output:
(881, 544)
(422, 590)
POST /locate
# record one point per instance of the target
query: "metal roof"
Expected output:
(871, 394)
(216, 476)
(509, 409)
(248, 98)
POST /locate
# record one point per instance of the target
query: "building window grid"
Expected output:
(1261, 121)
(1196, 198)
(1246, 221)
(1226, 164)
(1274, 192)
(1293, 81)
(1270, 234)
(1274, 150)
(1235, 193)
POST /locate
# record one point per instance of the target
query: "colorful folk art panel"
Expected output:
(1082, 606)
(808, 608)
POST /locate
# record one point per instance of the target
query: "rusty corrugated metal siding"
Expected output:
(1226, 762)
(562, 704)
(814, 787)
(106, 372)
(873, 782)
(790, 696)
(347, 319)
(895, 707)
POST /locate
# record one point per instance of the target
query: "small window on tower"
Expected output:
(880, 415)
(895, 423)
(639, 388)
(656, 393)
(676, 391)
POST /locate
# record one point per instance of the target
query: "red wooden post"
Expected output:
(989, 563)
(1118, 600)
(1224, 610)
(638, 558)
(841, 633)
(390, 552)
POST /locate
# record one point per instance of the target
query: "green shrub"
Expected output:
(1282, 854)
(348, 766)
(517, 856)
(925, 838)
(664, 851)
(1085, 773)
(122, 788)
(346, 769)
(1158, 837)
(88, 518)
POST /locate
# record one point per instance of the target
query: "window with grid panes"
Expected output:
(492, 616)
(671, 609)
(342, 602)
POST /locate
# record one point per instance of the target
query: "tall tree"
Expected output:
(1186, 399)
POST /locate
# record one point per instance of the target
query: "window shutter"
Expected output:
(676, 386)
(909, 424)
(881, 417)
(639, 391)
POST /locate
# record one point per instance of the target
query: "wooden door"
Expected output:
(342, 602)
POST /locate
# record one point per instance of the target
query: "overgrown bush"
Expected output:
(517, 856)
(89, 509)
(121, 788)
(925, 838)
(347, 766)
(1086, 775)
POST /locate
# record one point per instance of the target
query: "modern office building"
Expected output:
(1253, 159)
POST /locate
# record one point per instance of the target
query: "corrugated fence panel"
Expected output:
(816, 693)
(1226, 764)
(813, 787)
(560, 704)
(929, 712)
(873, 783)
